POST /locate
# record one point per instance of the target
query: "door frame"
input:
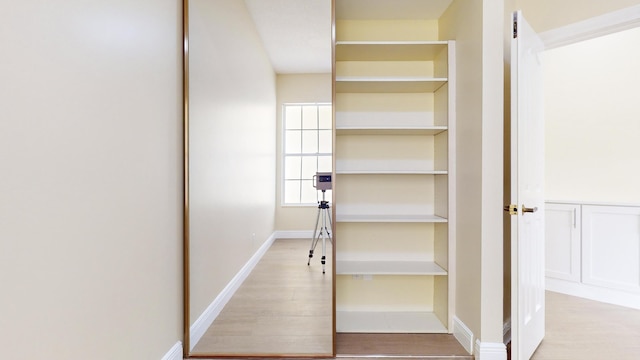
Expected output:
(616, 21)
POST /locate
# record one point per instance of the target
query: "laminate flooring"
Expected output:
(283, 307)
(389, 346)
(581, 329)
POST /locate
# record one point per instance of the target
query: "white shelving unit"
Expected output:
(394, 167)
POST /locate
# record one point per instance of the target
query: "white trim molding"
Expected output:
(200, 326)
(462, 333)
(615, 21)
(175, 353)
(490, 351)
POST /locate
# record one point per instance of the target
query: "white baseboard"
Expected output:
(293, 234)
(175, 353)
(204, 321)
(462, 333)
(506, 332)
(490, 351)
(596, 293)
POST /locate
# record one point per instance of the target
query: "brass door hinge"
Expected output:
(511, 209)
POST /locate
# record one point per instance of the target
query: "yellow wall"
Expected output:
(379, 30)
(232, 146)
(591, 119)
(91, 199)
(297, 88)
(463, 22)
(477, 28)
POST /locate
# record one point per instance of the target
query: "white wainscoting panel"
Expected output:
(611, 247)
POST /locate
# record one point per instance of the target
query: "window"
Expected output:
(307, 144)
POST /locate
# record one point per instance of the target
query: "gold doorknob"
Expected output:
(529, 210)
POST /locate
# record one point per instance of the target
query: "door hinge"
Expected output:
(511, 209)
(515, 25)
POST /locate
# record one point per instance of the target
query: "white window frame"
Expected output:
(284, 156)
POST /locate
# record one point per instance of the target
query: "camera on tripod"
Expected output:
(322, 181)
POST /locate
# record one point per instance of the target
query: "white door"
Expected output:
(527, 192)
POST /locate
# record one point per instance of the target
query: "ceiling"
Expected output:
(297, 33)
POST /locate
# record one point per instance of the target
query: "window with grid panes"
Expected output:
(307, 150)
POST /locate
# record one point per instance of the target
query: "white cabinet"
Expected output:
(562, 241)
(394, 180)
(593, 251)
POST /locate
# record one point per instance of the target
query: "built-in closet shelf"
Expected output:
(383, 84)
(388, 50)
(395, 218)
(388, 322)
(386, 166)
(387, 267)
(387, 123)
(434, 130)
(389, 172)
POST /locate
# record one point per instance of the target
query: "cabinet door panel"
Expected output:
(562, 241)
(611, 247)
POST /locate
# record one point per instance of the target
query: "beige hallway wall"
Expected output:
(232, 146)
(90, 179)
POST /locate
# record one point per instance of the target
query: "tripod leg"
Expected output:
(330, 225)
(324, 243)
(314, 240)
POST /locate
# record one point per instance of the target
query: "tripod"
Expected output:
(322, 232)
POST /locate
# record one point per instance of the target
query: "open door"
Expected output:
(527, 192)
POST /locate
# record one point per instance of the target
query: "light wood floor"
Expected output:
(421, 346)
(581, 329)
(283, 307)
